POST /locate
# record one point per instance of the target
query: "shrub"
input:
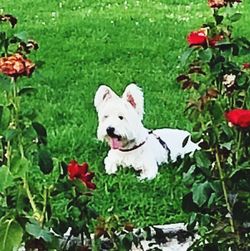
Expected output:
(218, 175)
(40, 197)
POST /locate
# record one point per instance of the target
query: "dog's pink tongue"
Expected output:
(115, 143)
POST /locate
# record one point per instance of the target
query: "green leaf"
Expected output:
(38, 232)
(206, 55)
(216, 186)
(41, 132)
(227, 130)
(4, 83)
(241, 173)
(227, 145)
(10, 134)
(45, 161)
(188, 177)
(212, 199)
(11, 234)
(5, 177)
(201, 159)
(217, 112)
(188, 204)
(235, 17)
(218, 19)
(27, 90)
(186, 55)
(20, 166)
(21, 36)
(201, 193)
(242, 80)
(1, 112)
(196, 136)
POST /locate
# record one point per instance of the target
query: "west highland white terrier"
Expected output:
(133, 145)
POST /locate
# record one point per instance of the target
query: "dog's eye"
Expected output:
(105, 117)
(121, 117)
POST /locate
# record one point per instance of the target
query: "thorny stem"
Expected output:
(224, 190)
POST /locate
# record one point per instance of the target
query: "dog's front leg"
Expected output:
(149, 171)
(110, 163)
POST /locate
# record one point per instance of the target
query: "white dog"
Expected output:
(133, 145)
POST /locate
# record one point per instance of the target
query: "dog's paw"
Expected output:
(147, 176)
(110, 167)
(149, 172)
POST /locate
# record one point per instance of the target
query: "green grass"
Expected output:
(85, 43)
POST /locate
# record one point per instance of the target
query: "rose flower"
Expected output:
(198, 37)
(229, 80)
(221, 3)
(16, 65)
(239, 117)
(246, 66)
(216, 3)
(77, 171)
(213, 41)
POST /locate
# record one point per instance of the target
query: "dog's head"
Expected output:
(120, 118)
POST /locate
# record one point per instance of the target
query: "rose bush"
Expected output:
(38, 202)
(218, 174)
(42, 198)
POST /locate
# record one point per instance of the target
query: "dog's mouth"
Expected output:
(115, 141)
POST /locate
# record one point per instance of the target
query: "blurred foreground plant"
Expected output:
(218, 175)
(38, 203)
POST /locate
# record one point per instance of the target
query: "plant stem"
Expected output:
(8, 154)
(45, 199)
(224, 190)
(6, 232)
(237, 153)
(16, 103)
(65, 244)
(31, 200)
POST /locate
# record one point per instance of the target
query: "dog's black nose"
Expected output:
(110, 131)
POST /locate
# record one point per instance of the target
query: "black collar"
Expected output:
(133, 148)
(163, 143)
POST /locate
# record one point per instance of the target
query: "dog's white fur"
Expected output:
(124, 115)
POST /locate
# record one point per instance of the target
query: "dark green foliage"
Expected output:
(217, 175)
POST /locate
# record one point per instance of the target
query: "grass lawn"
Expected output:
(85, 43)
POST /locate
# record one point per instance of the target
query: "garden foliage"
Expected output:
(217, 77)
(40, 197)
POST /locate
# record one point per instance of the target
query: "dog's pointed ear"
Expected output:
(134, 95)
(103, 94)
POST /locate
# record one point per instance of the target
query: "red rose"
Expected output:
(212, 41)
(197, 37)
(239, 117)
(246, 66)
(216, 3)
(16, 65)
(221, 3)
(77, 171)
